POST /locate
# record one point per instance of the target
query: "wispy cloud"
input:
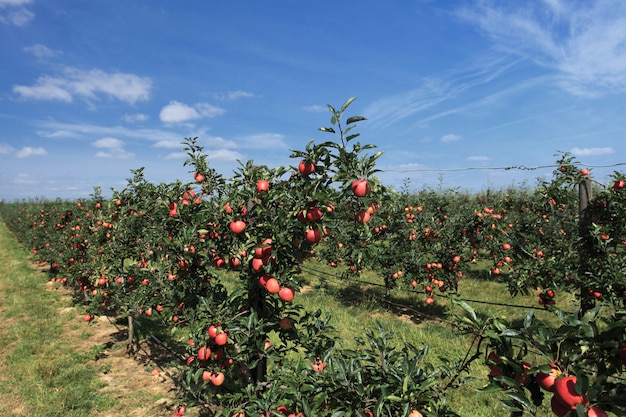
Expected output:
(582, 42)
(315, 108)
(111, 148)
(478, 158)
(28, 151)
(233, 95)
(592, 151)
(273, 141)
(135, 118)
(41, 51)
(86, 131)
(177, 112)
(435, 90)
(6, 149)
(218, 155)
(451, 137)
(88, 85)
(13, 3)
(15, 12)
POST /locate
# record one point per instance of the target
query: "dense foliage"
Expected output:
(217, 262)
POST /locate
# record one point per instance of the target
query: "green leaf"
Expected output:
(511, 333)
(327, 129)
(519, 398)
(394, 398)
(355, 119)
(347, 103)
(469, 310)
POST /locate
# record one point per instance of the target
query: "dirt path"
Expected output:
(143, 384)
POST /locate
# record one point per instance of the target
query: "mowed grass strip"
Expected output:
(41, 374)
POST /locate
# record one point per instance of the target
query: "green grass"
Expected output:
(356, 306)
(41, 374)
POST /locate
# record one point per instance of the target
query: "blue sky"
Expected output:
(92, 89)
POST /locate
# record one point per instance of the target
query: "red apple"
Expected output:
(262, 186)
(237, 226)
(306, 168)
(313, 235)
(558, 408)
(286, 294)
(565, 390)
(360, 187)
(596, 412)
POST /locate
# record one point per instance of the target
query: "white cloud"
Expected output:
(111, 148)
(13, 3)
(6, 149)
(177, 112)
(41, 51)
(582, 42)
(25, 179)
(28, 151)
(88, 85)
(434, 91)
(223, 155)
(46, 88)
(52, 129)
(450, 138)
(13, 12)
(479, 158)
(592, 151)
(233, 95)
(315, 108)
(168, 144)
(135, 118)
(265, 141)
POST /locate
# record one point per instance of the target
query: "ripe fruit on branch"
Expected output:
(204, 353)
(221, 339)
(173, 211)
(565, 390)
(306, 168)
(285, 323)
(596, 412)
(237, 226)
(313, 214)
(360, 188)
(262, 186)
(286, 294)
(198, 177)
(362, 216)
(546, 381)
(213, 330)
(557, 407)
(272, 286)
(217, 379)
(313, 235)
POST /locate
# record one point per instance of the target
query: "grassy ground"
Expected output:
(54, 364)
(41, 375)
(357, 306)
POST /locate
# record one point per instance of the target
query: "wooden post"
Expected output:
(585, 248)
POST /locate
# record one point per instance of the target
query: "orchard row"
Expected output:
(217, 261)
